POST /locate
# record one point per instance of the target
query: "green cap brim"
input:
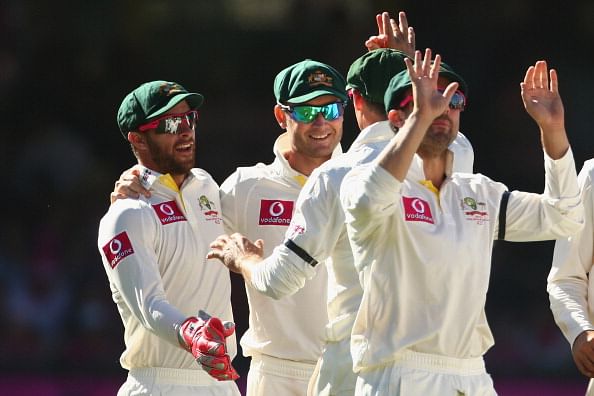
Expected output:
(194, 101)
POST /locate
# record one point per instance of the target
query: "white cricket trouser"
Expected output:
(270, 376)
(413, 373)
(334, 374)
(175, 382)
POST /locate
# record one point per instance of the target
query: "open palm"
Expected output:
(541, 95)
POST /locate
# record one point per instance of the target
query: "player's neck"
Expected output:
(302, 163)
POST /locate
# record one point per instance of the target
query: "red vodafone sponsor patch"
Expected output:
(168, 212)
(275, 212)
(417, 209)
(117, 249)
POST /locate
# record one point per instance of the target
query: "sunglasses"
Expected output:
(307, 113)
(171, 123)
(458, 101)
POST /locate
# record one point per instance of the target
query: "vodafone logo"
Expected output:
(275, 212)
(417, 209)
(276, 209)
(418, 205)
(117, 249)
(168, 212)
(115, 246)
(165, 208)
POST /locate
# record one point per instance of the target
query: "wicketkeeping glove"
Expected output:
(204, 336)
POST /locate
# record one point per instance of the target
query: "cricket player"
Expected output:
(285, 337)
(570, 283)
(174, 304)
(421, 233)
(317, 235)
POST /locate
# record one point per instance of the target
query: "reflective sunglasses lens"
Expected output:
(307, 114)
(332, 111)
(173, 125)
(458, 101)
(192, 118)
(170, 125)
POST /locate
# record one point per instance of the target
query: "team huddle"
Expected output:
(356, 264)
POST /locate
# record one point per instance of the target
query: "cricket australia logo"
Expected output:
(319, 78)
(169, 88)
(417, 209)
(208, 209)
(275, 212)
(474, 211)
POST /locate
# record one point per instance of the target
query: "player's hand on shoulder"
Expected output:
(129, 186)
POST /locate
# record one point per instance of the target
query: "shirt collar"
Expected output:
(281, 164)
(376, 132)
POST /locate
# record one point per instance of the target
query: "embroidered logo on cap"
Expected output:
(319, 78)
(118, 249)
(168, 212)
(168, 89)
(275, 212)
(417, 209)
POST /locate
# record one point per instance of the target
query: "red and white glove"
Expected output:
(204, 336)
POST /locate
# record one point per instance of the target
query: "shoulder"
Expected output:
(202, 175)
(126, 213)
(587, 171)
(476, 179)
(246, 175)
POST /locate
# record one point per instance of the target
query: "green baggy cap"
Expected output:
(401, 82)
(371, 73)
(306, 80)
(151, 100)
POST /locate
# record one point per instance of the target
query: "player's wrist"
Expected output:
(187, 330)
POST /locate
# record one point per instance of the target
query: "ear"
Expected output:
(281, 116)
(358, 101)
(138, 140)
(397, 118)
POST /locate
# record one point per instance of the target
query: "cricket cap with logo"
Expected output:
(307, 80)
(401, 82)
(370, 74)
(151, 100)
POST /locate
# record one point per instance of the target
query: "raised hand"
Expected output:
(233, 250)
(392, 35)
(424, 74)
(541, 96)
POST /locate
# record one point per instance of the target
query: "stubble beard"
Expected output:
(167, 163)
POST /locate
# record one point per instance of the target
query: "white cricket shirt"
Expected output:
(258, 201)
(425, 255)
(570, 284)
(153, 251)
(318, 229)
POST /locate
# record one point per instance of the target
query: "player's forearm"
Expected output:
(279, 275)
(554, 141)
(570, 308)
